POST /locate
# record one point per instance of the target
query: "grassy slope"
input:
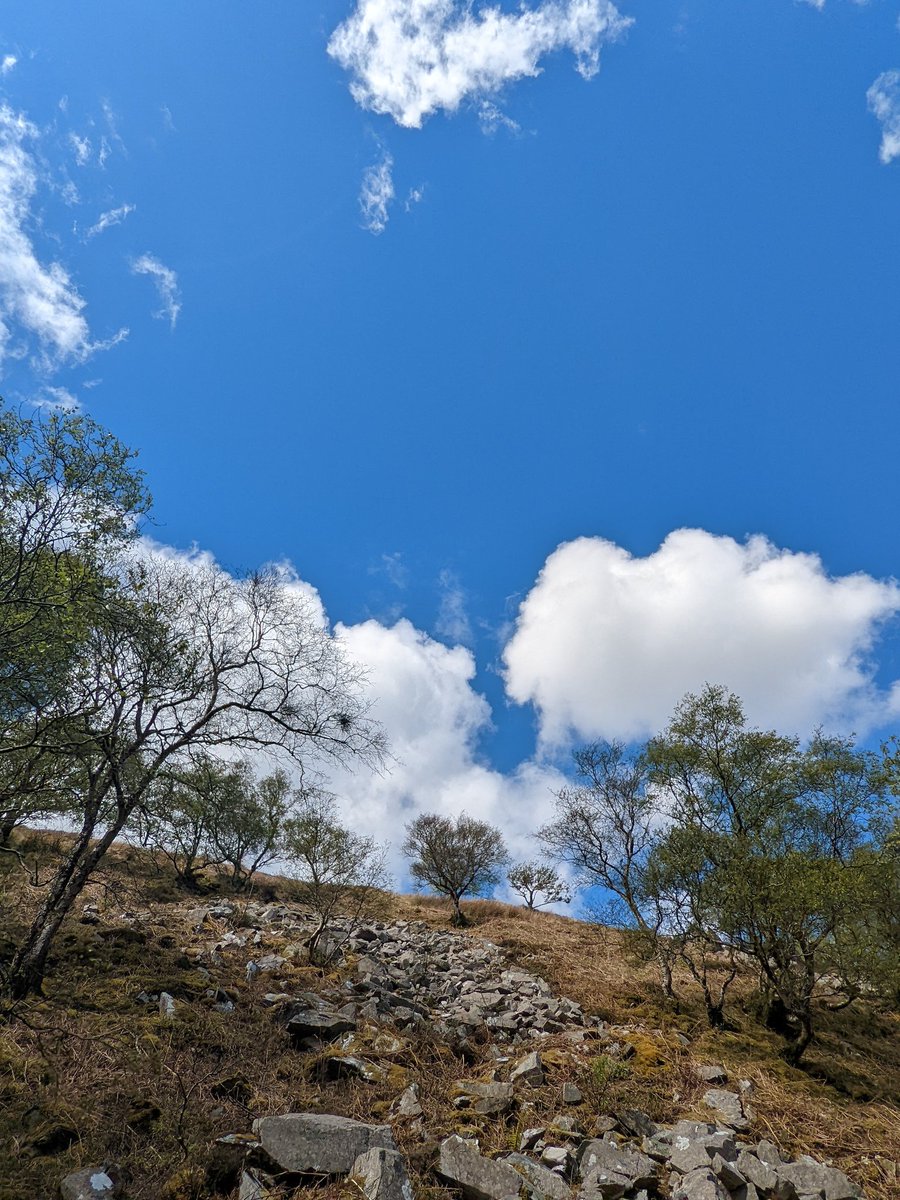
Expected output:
(87, 1074)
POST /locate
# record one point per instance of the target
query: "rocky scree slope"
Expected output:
(402, 980)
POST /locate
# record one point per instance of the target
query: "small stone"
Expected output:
(407, 1104)
(530, 1137)
(713, 1073)
(477, 1177)
(166, 1006)
(700, 1185)
(92, 1183)
(555, 1156)
(530, 1070)
(381, 1175)
(729, 1107)
(571, 1094)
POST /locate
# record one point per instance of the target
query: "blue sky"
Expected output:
(579, 312)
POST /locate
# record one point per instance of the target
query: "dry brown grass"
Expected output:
(86, 1064)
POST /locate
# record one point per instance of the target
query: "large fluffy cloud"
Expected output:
(423, 694)
(410, 58)
(606, 643)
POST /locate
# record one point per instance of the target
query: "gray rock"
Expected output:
(635, 1123)
(543, 1184)
(556, 1157)
(489, 1099)
(530, 1070)
(348, 1066)
(407, 1104)
(690, 1153)
(571, 1094)
(726, 1172)
(600, 1184)
(729, 1107)
(166, 1006)
(477, 1177)
(255, 1185)
(530, 1137)
(381, 1175)
(809, 1178)
(639, 1169)
(306, 1023)
(700, 1185)
(92, 1183)
(757, 1172)
(713, 1073)
(769, 1153)
(311, 1143)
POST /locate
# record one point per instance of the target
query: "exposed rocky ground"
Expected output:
(529, 1094)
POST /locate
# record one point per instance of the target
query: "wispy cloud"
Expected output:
(411, 58)
(393, 566)
(8, 63)
(491, 118)
(415, 196)
(166, 282)
(884, 102)
(81, 148)
(114, 216)
(56, 398)
(377, 194)
(453, 620)
(38, 301)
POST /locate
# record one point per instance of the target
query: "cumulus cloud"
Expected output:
(377, 194)
(410, 58)
(38, 301)
(166, 282)
(884, 102)
(114, 216)
(424, 696)
(606, 643)
(8, 63)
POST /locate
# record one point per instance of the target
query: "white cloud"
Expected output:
(491, 118)
(58, 398)
(433, 717)
(166, 282)
(411, 58)
(415, 196)
(114, 216)
(453, 620)
(884, 101)
(37, 301)
(605, 643)
(377, 194)
(8, 63)
(81, 148)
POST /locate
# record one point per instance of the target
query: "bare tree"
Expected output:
(336, 870)
(457, 858)
(182, 658)
(538, 884)
(605, 828)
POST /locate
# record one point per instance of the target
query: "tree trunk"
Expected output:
(458, 918)
(6, 830)
(26, 972)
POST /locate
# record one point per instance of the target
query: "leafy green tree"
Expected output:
(538, 884)
(761, 855)
(455, 858)
(249, 834)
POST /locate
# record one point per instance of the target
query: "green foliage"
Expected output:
(538, 884)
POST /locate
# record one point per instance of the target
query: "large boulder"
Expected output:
(639, 1169)
(810, 1178)
(315, 1144)
(478, 1178)
(543, 1184)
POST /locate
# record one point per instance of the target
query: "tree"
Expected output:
(248, 835)
(605, 828)
(532, 880)
(457, 858)
(70, 498)
(336, 870)
(180, 659)
(761, 856)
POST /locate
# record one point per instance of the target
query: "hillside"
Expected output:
(172, 1020)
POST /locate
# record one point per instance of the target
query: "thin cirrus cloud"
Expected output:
(411, 58)
(606, 643)
(377, 194)
(884, 103)
(113, 216)
(166, 282)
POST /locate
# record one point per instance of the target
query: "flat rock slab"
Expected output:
(315, 1144)
(639, 1169)
(477, 1177)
